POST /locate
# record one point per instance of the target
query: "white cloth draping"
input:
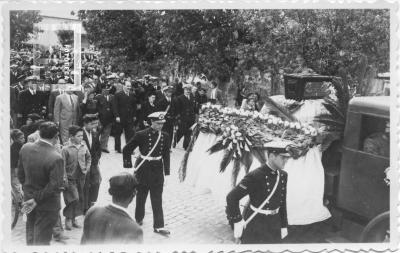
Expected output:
(305, 187)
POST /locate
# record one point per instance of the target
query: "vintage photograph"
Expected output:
(200, 126)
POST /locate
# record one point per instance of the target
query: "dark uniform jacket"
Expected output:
(124, 106)
(105, 109)
(150, 172)
(41, 173)
(259, 184)
(186, 110)
(110, 225)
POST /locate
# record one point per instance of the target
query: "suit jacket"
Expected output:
(28, 103)
(163, 104)
(64, 112)
(52, 100)
(13, 77)
(41, 172)
(95, 153)
(14, 96)
(110, 225)
(105, 109)
(146, 110)
(186, 110)
(124, 107)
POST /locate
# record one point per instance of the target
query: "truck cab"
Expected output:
(362, 193)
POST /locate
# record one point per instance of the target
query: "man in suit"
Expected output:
(150, 167)
(41, 172)
(113, 223)
(66, 113)
(15, 90)
(186, 114)
(216, 94)
(147, 108)
(266, 187)
(14, 75)
(125, 114)
(93, 177)
(166, 105)
(61, 86)
(30, 100)
(106, 115)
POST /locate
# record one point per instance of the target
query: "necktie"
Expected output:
(107, 98)
(72, 101)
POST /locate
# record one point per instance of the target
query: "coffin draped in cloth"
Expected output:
(306, 179)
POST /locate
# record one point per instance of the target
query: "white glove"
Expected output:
(284, 232)
(238, 228)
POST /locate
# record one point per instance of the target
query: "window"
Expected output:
(375, 135)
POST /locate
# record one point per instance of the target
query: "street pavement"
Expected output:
(191, 216)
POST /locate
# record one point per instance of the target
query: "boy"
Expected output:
(77, 162)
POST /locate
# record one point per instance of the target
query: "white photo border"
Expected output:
(6, 6)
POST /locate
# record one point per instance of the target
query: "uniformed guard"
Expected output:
(266, 219)
(150, 167)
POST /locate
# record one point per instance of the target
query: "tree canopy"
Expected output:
(225, 44)
(22, 26)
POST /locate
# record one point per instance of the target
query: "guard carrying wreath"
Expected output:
(150, 167)
(266, 219)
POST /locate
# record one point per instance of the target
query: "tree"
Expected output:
(22, 26)
(66, 37)
(230, 44)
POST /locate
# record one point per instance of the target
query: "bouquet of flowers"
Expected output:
(244, 133)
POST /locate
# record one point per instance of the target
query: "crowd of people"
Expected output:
(62, 132)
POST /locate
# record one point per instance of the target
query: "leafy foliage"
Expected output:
(22, 26)
(227, 44)
(66, 37)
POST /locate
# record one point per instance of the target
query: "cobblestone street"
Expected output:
(191, 216)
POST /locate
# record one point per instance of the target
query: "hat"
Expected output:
(122, 184)
(168, 88)
(157, 116)
(278, 147)
(112, 76)
(31, 78)
(187, 86)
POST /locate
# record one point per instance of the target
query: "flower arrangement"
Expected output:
(255, 127)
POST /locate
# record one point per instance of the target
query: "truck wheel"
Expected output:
(378, 229)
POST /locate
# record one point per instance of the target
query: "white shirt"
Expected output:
(33, 92)
(89, 136)
(122, 209)
(214, 93)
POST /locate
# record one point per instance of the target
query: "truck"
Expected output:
(357, 189)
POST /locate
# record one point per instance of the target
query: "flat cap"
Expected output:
(31, 78)
(168, 88)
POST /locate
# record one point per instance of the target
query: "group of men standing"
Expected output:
(46, 170)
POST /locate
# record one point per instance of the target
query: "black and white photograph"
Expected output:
(247, 126)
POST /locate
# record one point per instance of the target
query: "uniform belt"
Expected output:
(151, 158)
(266, 212)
